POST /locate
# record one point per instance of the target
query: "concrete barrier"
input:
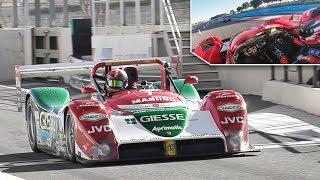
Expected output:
(15, 48)
(301, 97)
(251, 79)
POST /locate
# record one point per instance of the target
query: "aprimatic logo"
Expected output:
(93, 117)
(230, 107)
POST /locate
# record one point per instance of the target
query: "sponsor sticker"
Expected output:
(230, 107)
(167, 122)
(131, 121)
(170, 148)
(226, 95)
(233, 120)
(44, 119)
(162, 117)
(154, 99)
(166, 128)
(88, 104)
(99, 129)
(93, 117)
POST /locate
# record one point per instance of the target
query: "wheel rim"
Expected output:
(30, 124)
(70, 135)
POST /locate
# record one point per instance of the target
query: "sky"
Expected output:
(204, 9)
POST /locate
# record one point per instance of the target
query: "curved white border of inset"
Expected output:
(4, 176)
(238, 65)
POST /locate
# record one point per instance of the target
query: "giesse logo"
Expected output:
(163, 117)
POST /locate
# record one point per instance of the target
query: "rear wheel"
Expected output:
(70, 146)
(31, 126)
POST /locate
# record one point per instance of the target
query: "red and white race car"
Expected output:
(147, 120)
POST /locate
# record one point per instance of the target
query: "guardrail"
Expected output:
(69, 69)
(299, 70)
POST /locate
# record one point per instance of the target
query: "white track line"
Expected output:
(4, 176)
(288, 144)
(284, 121)
(283, 125)
(14, 88)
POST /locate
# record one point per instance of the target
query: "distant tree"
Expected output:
(246, 5)
(256, 3)
(239, 9)
(232, 12)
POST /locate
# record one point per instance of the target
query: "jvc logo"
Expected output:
(229, 120)
(99, 129)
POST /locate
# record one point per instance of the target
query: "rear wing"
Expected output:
(68, 69)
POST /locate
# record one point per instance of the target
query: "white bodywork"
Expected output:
(199, 125)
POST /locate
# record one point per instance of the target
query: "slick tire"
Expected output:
(70, 139)
(31, 125)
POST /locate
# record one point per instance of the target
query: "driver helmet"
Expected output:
(117, 80)
(309, 26)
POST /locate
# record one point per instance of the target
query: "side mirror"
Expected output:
(191, 80)
(88, 89)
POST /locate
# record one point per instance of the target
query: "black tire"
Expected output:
(31, 126)
(70, 141)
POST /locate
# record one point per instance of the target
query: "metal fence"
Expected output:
(42, 13)
(137, 12)
(298, 70)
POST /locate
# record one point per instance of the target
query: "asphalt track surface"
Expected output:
(289, 140)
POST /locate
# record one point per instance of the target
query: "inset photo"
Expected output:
(256, 32)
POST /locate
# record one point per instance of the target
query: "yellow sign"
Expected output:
(170, 148)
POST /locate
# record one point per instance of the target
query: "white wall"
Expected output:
(65, 44)
(301, 97)
(123, 47)
(251, 79)
(15, 48)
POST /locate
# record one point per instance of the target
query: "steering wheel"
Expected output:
(95, 77)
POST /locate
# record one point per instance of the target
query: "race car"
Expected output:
(140, 120)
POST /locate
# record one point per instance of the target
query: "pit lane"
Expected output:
(289, 139)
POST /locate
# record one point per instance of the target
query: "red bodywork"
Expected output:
(209, 50)
(245, 35)
(84, 139)
(228, 120)
(87, 140)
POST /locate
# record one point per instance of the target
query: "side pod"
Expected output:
(94, 138)
(229, 112)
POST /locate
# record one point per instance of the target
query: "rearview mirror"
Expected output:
(88, 89)
(191, 80)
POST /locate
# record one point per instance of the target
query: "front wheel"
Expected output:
(31, 126)
(70, 138)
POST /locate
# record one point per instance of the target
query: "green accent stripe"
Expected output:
(51, 99)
